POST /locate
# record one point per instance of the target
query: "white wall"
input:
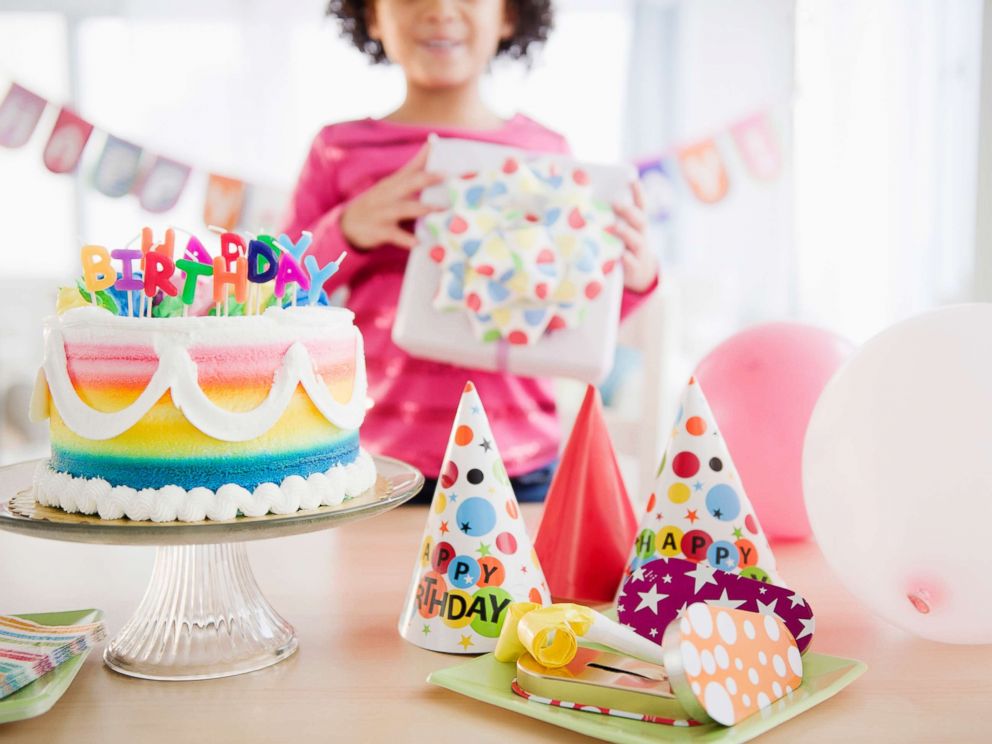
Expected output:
(886, 150)
(734, 260)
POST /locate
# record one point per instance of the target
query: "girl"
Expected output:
(358, 191)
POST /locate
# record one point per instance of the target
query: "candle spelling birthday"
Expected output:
(249, 267)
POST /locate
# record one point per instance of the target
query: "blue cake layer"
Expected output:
(248, 472)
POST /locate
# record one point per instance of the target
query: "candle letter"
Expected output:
(97, 272)
(127, 257)
(258, 252)
(159, 269)
(194, 270)
(299, 247)
(232, 245)
(289, 271)
(238, 278)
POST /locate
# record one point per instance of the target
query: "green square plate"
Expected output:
(39, 696)
(488, 680)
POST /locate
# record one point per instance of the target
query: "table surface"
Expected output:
(355, 679)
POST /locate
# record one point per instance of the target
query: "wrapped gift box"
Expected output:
(518, 273)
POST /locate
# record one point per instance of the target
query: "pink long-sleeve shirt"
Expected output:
(415, 399)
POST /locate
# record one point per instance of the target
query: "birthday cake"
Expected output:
(247, 411)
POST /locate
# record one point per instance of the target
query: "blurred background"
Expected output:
(814, 160)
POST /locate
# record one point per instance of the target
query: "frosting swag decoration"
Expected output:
(522, 248)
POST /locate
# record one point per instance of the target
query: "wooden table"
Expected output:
(354, 679)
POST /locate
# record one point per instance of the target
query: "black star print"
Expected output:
(486, 445)
(717, 513)
(466, 526)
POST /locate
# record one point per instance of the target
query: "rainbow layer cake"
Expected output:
(202, 417)
(200, 386)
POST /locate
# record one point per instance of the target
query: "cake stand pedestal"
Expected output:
(203, 615)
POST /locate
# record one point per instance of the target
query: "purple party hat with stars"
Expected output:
(659, 592)
(475, 556)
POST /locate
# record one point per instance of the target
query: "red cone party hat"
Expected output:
(475, 556)
(699, 510)
(588, 521)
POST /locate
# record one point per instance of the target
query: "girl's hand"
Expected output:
(640, 267)
(373, 218)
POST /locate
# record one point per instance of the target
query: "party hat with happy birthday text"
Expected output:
(699, 509)
(475, 556)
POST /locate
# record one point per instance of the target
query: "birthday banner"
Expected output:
(126, 168)
(65, 145)
(19, 115)
(699, 167)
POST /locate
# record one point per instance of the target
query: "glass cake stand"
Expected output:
(203, 615)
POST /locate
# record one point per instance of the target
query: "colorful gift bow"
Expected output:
(523, 249)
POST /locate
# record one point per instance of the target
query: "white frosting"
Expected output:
(89, 325)
(110, 504)
(317, 487)
(71, 496)
(89, 495)
(141, 506)
(172, 503)
(258, 503)
(194, 507)
(335, 485)
(292, 495)
(220, 508)
(176, 371)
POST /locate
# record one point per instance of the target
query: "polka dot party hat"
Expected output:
(699, 509)
(475, 555)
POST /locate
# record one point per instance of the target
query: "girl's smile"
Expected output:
(440, 43)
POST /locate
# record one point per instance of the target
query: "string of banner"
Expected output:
(699, 168)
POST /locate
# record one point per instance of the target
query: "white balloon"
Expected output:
(897, 474)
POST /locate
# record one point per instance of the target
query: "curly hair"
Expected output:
(533, 20)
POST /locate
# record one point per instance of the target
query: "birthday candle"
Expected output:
(167, 247)
(289, 272)
(258, 252)
(194, 270)
(237, 278)
(196, 251)
(262, 267)
(232, 246)
(127, 282)
(276, 252)
(159, 269)
(298, 248)
(98, 274)
(318, 276)
(271, 242)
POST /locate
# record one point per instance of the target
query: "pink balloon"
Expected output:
(762, 384)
